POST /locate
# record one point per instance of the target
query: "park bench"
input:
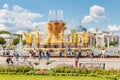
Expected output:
(92, 65)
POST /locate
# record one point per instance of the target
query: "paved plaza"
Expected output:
(109, 62)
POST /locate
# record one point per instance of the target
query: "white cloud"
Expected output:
(17, 18)
(20, 32)
(2, 27)
(5, 6)
(113, 28)
(72, 21)
(96, 14)
(18, 8)
(42, 26)
(87, 19)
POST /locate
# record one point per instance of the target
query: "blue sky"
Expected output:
(104, 14)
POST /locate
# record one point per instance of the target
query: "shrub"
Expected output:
(67, 70)
(31, 72)
(15, 69)
(47, 63)
(101, 72)
(84, 71)
(52, 73)
(36, 63)
(92, 74)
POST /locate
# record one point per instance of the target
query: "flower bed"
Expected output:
(61, 70)
(42, 71)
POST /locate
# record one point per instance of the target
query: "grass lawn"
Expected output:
(37, 77)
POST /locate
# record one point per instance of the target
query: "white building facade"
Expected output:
(103, 38)
(8, 38)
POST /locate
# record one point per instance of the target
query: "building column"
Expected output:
(112, 36)
(33, 42)
(119, 41)
(90, 40)
(108, 42)
(96, 40)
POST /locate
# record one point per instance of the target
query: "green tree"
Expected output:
(113, 43)
(2, 40)
(15, 41)
(19, 35)
(24, 42)
(5, 32)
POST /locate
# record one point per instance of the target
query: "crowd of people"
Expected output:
(45, 54)
(11, 60)
(41, 54)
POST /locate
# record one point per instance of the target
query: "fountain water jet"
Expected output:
(1, 49)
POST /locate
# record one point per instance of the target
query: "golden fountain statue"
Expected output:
(50, 27)
(75, 40)
(85, 39)
(37, 39)
(56, 29)
(71, 38)
(75, 37)
(79, 39)
(56, 32)
(55, 36)
(29, 38)
(49, 40)
(26, 38)
(62, 37)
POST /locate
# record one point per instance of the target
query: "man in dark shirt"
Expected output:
(47, 55)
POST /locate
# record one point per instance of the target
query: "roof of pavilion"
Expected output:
(80, 28)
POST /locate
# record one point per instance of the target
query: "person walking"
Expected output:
(34, 52)
(14, 56)
(43, 55)
(76, 60)
(17, 56)
(103, 53)
(73, 52)
(69, 51)
(40, 55)
(79, 54)
(47, 55)
(30, 54)
(60, 54)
